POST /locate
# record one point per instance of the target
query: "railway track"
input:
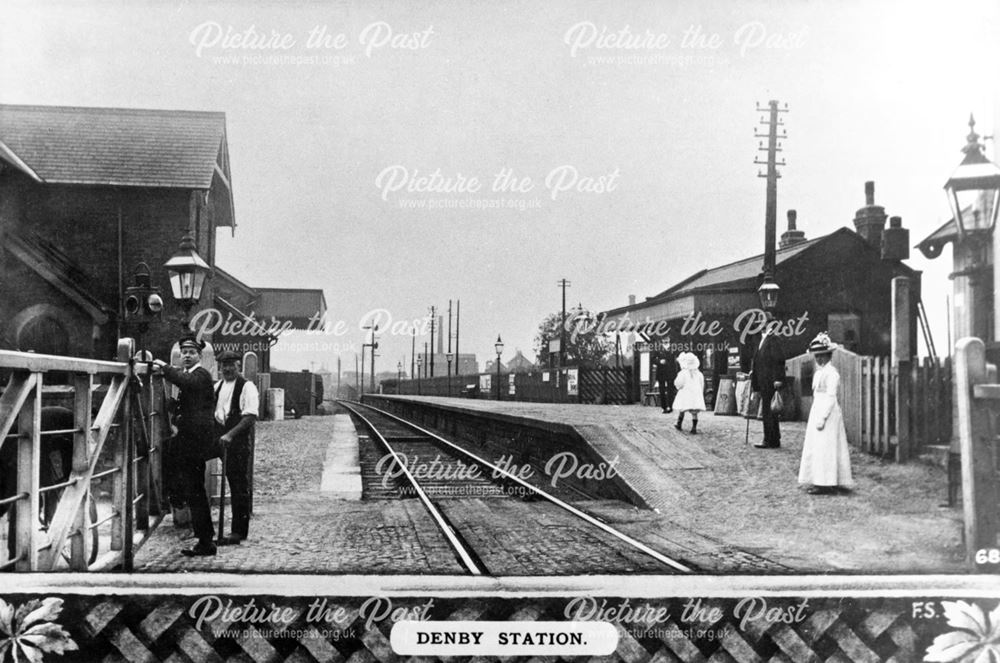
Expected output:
(420, 464)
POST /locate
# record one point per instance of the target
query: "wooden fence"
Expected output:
(120, 445)
(880, 402)
(608, 385)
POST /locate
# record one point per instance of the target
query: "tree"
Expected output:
(584, 346)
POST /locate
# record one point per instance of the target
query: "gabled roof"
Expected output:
(115, 146)
(741, 274)
(741, 270)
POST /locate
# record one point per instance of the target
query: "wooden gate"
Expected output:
(120, 446)
(606, 385)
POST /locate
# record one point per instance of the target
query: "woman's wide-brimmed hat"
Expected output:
(687, 360)
(822, 345)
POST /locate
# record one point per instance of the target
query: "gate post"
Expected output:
(29, 426)
(979, 483)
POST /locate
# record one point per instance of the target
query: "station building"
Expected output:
(840, 282)
(89, 194)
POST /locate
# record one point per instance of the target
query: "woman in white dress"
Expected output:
(826, 461)
(690, 385)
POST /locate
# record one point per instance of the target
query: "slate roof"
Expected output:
(113, 146)
(732, 276)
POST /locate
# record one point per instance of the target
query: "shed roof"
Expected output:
(114, 146)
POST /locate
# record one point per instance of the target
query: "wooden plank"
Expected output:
(986, 391)
(865, 426)
(19, 388)
(887, 404)
(82, 404)
(29, 453)
(979, 480)
(904, 403)
(877, 393)
(36, 363)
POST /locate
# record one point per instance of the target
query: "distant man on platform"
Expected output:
(237, 404)
(666, 372)
(766, 377)
(194, 441)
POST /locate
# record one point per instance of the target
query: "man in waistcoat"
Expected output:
(194, 442)
(236, 408)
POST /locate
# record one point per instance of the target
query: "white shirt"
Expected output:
(249, 400)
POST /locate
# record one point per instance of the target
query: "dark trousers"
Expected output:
(772, 434)
(667, 393)
(237, 469)
(190, 483)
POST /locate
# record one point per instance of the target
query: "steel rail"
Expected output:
(660, 557)
(460, 549)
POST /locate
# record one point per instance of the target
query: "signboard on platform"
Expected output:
(572, 382)
(510, 383)
(485, 383)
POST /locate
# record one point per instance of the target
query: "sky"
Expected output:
(401, 154)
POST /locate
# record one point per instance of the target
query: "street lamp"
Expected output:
(449, 356)
(499, 348)
(768, 292)
(187, 273)
(974, 185)
(420, 363)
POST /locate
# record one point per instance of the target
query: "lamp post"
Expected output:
(399, 376)
(187, 273)
(449, 356)
(420, 362)
(973, 192)
(498, 346)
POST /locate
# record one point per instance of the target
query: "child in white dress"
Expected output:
(826, 460)
(690, 385)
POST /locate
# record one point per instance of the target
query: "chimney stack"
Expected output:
(869, 221)
(792, 236)
(896, 240)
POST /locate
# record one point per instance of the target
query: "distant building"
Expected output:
(520, 364)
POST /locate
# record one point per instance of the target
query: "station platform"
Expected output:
(711, 498)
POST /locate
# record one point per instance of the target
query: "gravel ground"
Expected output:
(894, 521)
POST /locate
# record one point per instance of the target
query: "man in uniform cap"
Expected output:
(193, 443)
(236, 408)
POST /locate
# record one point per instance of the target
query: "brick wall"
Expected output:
(82, 222)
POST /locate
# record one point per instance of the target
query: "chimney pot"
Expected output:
(895, 222)
(869, 193)
(631, 300)
(792, 214)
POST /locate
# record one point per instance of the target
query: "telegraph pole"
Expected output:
(449, 336)
(772, 175)
(562, 283)
(458, 317)
(433, 323)
(413, 353)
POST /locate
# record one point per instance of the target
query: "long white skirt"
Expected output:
(826, 460)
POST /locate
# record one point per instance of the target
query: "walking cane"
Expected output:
(221, 539)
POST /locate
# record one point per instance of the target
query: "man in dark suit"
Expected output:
(194, 442)
(766, 377)
(666, 372)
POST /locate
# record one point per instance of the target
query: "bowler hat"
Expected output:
(227, 355)
(191, 341)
